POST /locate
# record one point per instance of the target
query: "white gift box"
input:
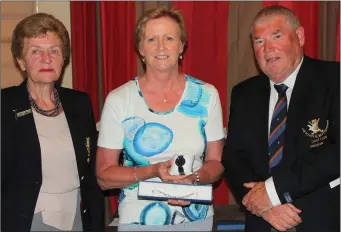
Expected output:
(164, 191)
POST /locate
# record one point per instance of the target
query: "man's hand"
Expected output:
(257, 200)
(283, 217)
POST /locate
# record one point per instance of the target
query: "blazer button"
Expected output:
(84, 211)
(82, 177)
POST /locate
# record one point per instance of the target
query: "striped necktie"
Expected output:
(277, 127)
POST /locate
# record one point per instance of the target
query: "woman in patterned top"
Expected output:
(154, 116)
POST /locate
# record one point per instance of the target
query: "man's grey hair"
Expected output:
(277, 10)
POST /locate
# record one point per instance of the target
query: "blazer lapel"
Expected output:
(261, 120)
(297, 109)
(72, 117)
(25, 125)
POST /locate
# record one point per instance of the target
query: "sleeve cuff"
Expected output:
(271, 190)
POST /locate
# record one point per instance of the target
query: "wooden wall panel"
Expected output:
(11, 14)
(17, 9)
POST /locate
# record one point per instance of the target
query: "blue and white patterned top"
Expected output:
(148, 137)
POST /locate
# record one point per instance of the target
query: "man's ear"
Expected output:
(300, 35)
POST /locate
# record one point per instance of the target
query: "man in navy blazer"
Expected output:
(301, 190)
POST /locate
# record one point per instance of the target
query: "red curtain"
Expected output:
(84, 50)
(119, 57)
(206, 56)
(308, 14)
(338, 36)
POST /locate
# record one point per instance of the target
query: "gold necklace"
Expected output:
(165, 99)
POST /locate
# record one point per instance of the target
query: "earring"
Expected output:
(180, 56)
(143, 59)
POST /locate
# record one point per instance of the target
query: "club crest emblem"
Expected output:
(313, 126)
(315, 133)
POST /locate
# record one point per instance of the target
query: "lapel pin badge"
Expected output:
(87, 145)
(21, 113)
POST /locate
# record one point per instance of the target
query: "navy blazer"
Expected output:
(310, 160)
(21, 173)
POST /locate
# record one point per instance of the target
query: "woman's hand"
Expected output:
(162, 169)
(178, 202)
(190, 179)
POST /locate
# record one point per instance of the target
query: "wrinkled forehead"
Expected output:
(49, 38)
(269, 24)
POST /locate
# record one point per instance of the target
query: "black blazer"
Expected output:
(21, 174)
(309, 161)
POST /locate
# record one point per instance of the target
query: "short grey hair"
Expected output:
(277, 10)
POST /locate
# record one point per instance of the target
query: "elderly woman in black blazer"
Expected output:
(48, 139)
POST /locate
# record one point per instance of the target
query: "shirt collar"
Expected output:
(290, 81)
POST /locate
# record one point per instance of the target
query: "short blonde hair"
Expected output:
(160, 12)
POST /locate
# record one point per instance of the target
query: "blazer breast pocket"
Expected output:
(315, 130)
